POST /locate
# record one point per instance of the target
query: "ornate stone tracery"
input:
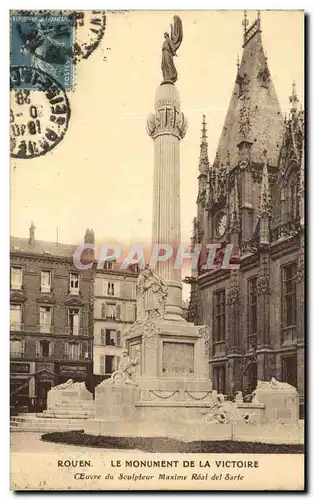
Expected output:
(233, 293)
(263, 284)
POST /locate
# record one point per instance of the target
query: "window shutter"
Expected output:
(134, 312)
(102, 336)
(37, 348)
(102, 364)
(103, 310)
(23, 347)
(118, 311)
(66, 349)
(118, 338)
(51, 349)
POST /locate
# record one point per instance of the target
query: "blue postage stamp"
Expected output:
(44, 42)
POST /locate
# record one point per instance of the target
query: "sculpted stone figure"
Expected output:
(169, 50)
(123, 375)
(152, 294)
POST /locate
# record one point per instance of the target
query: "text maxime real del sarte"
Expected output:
(220, 466)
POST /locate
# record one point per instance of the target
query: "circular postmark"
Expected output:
(39, 114)
(89, 30)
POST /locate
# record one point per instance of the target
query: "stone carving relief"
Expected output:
(167, 120)
(204, 332)
(273, 384)
(225, 412)
(233, 293)
(123, 375)
(150, 329)
(300, 268)
(218, 182)
(263, 285)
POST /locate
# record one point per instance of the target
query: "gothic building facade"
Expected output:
(252, 196)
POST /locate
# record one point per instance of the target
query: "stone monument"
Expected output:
(173, 369)
(170, 377)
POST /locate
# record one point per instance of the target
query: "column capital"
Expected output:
(168, 118)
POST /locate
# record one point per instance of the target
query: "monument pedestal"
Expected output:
(173, 369)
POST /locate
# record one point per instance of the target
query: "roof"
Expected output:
(41, 247)
(254, 112)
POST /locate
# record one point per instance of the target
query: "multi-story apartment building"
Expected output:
(114, 311)
(51, 319)
(252, 196)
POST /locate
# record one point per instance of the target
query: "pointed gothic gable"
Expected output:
(254, 112)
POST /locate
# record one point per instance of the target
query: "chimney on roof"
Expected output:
(89, 239)
(32, 234)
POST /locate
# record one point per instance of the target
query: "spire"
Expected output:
(245, 24)
(32, 234)
(203, 164)
(235, 224)
(249, 32)
(265, 198)
(89, 236)
(293, 99)
(254, 120)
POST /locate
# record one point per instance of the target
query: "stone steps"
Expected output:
(32, 423)
(66, 414)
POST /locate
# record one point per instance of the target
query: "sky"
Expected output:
(100, 175)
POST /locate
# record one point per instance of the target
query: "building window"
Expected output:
(252, 312)
(219, 316)
(16, 278)
(45, 281)
(108, 264)
(74, 321)
(289, 309)
(111, 311)
(45, 319)
(17, 348)
(44, 349)
(113, 337)
(219, 379)
(110, 288)
(16, 317)
(73, 351)
(289, 370)
(74, 283)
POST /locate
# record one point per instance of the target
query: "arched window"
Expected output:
(293, 188)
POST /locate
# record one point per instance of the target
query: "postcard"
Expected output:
(157, 250)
